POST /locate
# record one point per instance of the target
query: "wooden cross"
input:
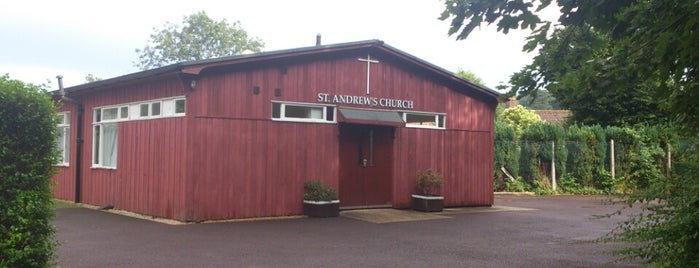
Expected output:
(368, 61)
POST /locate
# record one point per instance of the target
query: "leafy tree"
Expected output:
(89, 78)
(470, 76)
(518, 118)
(617, 61)
(633, 50)
(27, 154)
(559, 70)
(199, 37)
(543, 101)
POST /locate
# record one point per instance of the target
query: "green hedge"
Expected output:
(536, 155)
(583, 156)
(506, 154)
(27, 153)
(581, 146)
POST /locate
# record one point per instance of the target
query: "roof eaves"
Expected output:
(174, 68)
(195, 67)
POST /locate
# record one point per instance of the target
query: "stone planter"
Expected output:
(424, 203)
(321, 209)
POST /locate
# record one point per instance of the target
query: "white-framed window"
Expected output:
(63, 139)
(173, 107)
(151, 109)
(124, 112)
(104, 137)
(303, 112)
(424, 120)
(106, 119)
(170, 107)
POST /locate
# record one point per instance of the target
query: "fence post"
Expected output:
(553, 165)
(611, 158)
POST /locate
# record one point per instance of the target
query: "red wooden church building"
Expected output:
(236, 137)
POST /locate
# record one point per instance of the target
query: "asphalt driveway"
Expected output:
(545, 232)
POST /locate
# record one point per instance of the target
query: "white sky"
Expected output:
(41, 39)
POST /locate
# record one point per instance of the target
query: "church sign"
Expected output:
(365, 101)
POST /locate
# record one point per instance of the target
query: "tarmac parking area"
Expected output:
(518, 231)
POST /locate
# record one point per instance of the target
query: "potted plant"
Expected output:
(425, 198)
(320, 201)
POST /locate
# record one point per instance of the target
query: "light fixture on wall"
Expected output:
(193, 84)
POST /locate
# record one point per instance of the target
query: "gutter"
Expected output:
(78, 139)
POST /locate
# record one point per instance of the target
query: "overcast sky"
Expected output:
(41, 39)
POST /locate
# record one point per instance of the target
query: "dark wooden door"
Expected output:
(365, 165)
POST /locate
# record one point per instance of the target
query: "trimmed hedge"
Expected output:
(583, 156)
(535, 160)
(27, 154)
(506, 154)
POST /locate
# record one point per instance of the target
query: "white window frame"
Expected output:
(98, 141)
(126, 112)
(439, 120)
(168, 108)
(324, 112)
(63, 139)
(184, 106)
(150, 108)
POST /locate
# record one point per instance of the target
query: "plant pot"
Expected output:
(321, 209)
(433, 203)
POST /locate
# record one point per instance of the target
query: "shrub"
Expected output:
(518, 185)
(666, 231)
(540, 188)
(315, 191)
(581, 154)
(626, 140)
(27, 154)
(428, 181)
(601, 149)
(535, 159)
(519, 118)
(605, 182)
(506, 154)
(568, 184)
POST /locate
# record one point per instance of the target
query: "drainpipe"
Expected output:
(78, 139)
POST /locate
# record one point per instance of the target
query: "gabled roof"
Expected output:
(194, 68)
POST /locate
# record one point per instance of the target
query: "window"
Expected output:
(302, 112)
(104, 137)
(144, 110)
(124, 112)
(151, 109)
(105, 126)
(63, 139)
(173, 107)
(155, 109)
(424, 120)
(179, 106)
(160, 108)
(109, 114)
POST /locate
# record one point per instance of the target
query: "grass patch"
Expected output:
(58, 204)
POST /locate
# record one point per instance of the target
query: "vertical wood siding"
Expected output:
(149, 177)
(228, 159)
(64, 181)
(245, 165)
(250, 168)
